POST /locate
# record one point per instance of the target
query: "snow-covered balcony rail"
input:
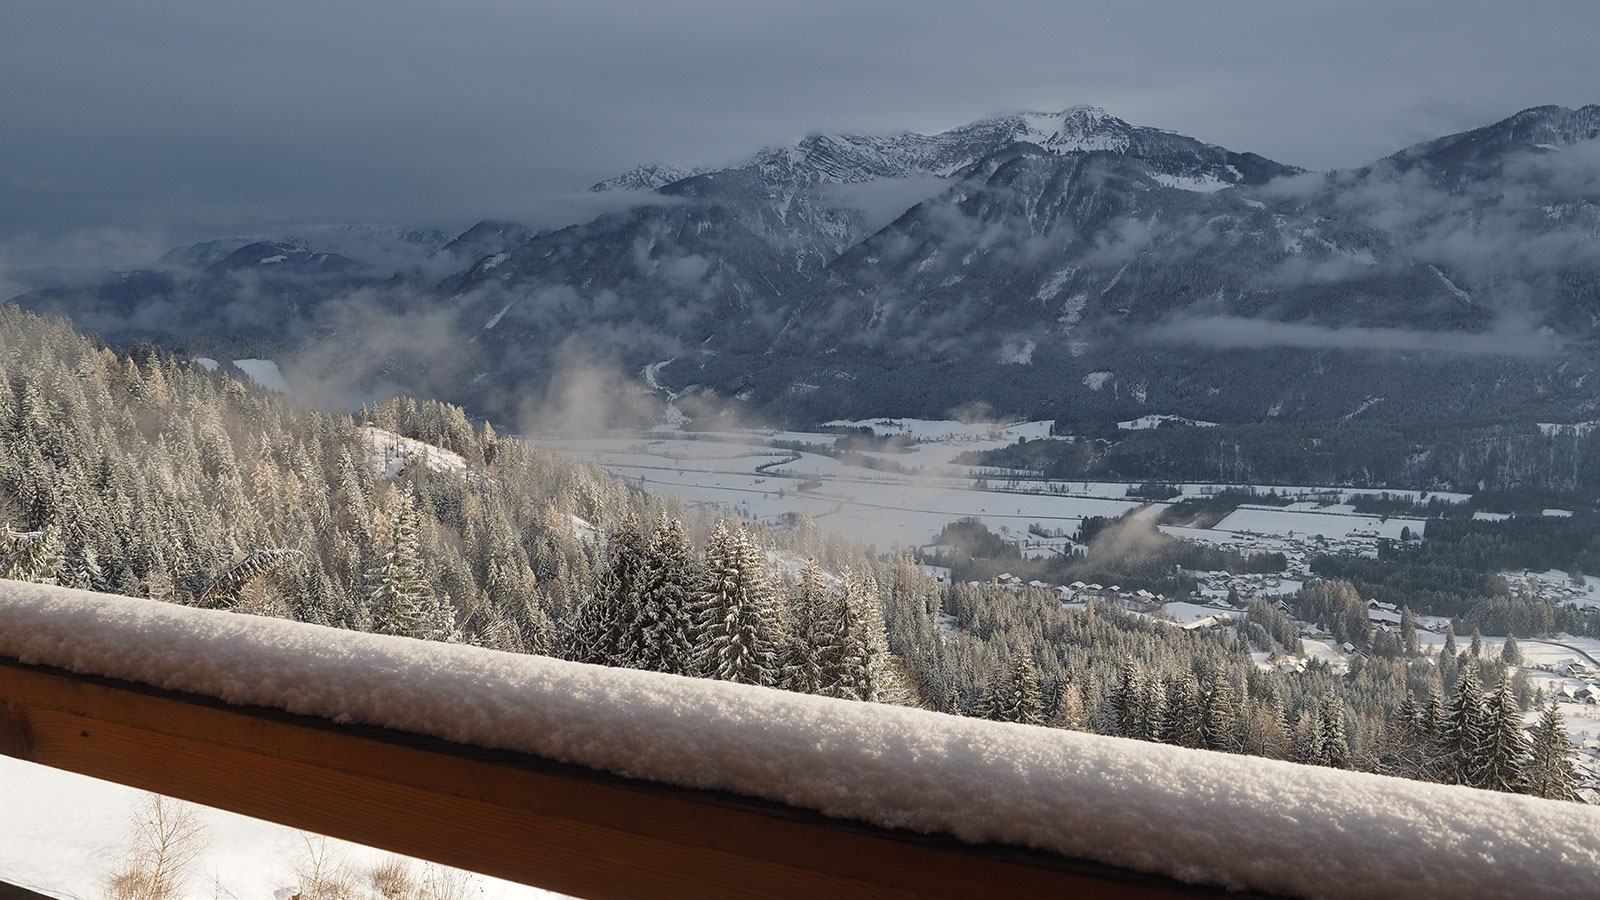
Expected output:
(614, 783)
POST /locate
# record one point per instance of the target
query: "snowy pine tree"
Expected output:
(1549, 773)
(1461, 733)
(737, 613)
(401, 599)
(1501, 757)
(811, 641)
(668, 632)
(1018, 697)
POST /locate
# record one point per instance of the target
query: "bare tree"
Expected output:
(165, 838)
(321, 874)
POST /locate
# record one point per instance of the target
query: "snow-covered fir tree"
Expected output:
(1549, 772)
(738, 613)
(1501, 757)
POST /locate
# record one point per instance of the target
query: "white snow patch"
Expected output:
(1450, 286)
(1053, 285)
(1287, 828)
(1203, 184)
(207, 363)
(495, 319)
(267, 261)
(1558, 513)
(1572, 429)
(1157, 421)
(388, 453)
(1094, 381)
(264, 372)
(495, 260)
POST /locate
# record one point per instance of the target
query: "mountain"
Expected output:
(1065, 264)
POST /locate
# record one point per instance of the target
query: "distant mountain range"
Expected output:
(1053, 264)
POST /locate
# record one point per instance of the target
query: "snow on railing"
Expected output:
(1207, 818)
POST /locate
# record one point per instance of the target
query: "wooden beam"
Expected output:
(560, 827)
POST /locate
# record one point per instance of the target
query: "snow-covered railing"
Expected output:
(615, 783)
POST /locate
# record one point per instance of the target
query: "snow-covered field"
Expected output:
(903, 497)
(64, 834)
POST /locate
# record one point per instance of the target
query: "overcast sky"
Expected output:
(128, 126)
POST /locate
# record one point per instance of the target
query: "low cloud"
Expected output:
(1509, 337)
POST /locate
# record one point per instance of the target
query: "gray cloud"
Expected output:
(226, 118)
(1508, 338)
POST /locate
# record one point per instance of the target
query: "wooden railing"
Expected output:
(514, 816)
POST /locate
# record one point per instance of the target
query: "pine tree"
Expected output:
(1408, 631)
(1124, 708)
(612, 622)
(810, 642)
(1549, 773)
(1510, 653)
(667, 615)
(1309, 737)
(401, 600)
(223, 591)
(1182, 716)
(1335, 745)
(1501, 759)
(738, 617)
(1219, 714)
(1462, 731)
(1017, 695)
(857, 669)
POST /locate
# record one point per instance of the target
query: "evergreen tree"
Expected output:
(401, 601)
(738, 616)
(1335, 744)
(1549, 773)
(1017, 696)
(1408, 632)
(1461, 734)
(1309, 739)
(811, 641)
(1510, 653)
(1182, 715)
(1502, 753)
(667, 616)
(1219, 714)
(1124, 708)
(858, 667)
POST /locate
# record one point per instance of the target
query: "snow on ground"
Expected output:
(63, 834)
(905, 495)
(1214, 818)
(388, 453)
(264, 372)
(1156, 421)
(207, 363)
(1269, 520)
(1558, 513)
(1192, 613)
(1204, 184)
(949, 429)
(1325, 651)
